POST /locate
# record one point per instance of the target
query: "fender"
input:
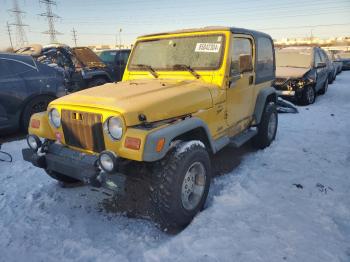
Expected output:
(261, 101)
(172, 131)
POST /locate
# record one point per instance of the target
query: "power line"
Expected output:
(21, 38)
(75, 38)
(9, 32)
(50, 17)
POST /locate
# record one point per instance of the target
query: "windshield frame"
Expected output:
(220, 63)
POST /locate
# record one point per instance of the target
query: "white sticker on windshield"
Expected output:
(207, 47)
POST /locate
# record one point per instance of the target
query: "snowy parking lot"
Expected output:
(289, 202)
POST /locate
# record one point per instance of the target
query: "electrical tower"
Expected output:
(9, 32)
(50, 17)
(75, 37)
(21, 38)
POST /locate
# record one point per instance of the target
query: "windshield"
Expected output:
(293, 58)
(196, 52)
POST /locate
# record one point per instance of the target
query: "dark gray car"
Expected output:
(26, 87)
(301, 73)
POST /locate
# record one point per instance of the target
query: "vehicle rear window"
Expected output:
(108, 56)
(265, 69)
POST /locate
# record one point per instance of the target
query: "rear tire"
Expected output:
(180, 185)
(267, 128)
(36, 105)
(324, 88)
(61, 178)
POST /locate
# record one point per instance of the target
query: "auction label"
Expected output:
(207, 47)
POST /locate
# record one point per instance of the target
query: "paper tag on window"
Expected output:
(207, 47)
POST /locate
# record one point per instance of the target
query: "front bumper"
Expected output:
(76, 165)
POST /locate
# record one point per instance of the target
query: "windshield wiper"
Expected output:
(188, 68)
(148, 68)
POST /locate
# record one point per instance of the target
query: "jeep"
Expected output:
(184, 96)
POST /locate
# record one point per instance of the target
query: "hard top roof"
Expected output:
(235, 30)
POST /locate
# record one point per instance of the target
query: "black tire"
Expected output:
(61, 178)
(324, 88)
(36, 105)
(330, 79)
(167, 185)
(308, 96)
(97, 82)
(265, 136)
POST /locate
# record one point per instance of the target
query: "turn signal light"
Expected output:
(160, 144)
(132, 143)
(35, 123)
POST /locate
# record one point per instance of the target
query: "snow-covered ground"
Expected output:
(289, 202)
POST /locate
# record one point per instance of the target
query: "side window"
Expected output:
(317, 58)
(241, 46)
(19, 67)
(265, 69)
(324, 57)
(5, 69)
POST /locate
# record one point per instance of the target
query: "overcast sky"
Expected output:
(98, 21)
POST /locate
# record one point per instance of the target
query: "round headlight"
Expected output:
(55, 118)
(115, 127)
(34, 142)
(108, 161)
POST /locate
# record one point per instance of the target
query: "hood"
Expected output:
(291, 72)
(87, 57)
(156, 99)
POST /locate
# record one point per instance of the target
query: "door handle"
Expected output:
(251, 79)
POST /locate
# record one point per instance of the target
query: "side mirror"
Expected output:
(320, 65)
(245, 63)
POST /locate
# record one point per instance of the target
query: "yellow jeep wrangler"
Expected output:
(184, 96)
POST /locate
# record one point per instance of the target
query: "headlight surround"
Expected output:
(114, 127)
(55, 118)
(34, 142)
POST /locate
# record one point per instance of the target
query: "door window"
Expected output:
(241, 46)
(317, 58)
(265, 69)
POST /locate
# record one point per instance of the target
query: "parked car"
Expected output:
(332, 71)
(185, 95)
(81, 66)
(301, 73)
(344, 57)
(335, 60)
(26, 87)
(116, 60)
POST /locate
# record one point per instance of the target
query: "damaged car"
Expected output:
(81, 67)
(26, 87)
(301, 74)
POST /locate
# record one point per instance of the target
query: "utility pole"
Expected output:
(120, 39)
(50, 17)
(75, 38)
(21, 38)
(9, 32)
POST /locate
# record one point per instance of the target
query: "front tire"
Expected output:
(36, 105)
(180, 185)
(267, 128)
(308, 96)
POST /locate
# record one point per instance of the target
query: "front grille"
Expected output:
(280, 81)
(83, 130)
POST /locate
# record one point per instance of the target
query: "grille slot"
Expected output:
(83, 130)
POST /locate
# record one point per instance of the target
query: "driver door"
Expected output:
(240, 89)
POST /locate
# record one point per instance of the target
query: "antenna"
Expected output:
(75, 37)
(9, 32)
(21, 38)
(50, 17)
